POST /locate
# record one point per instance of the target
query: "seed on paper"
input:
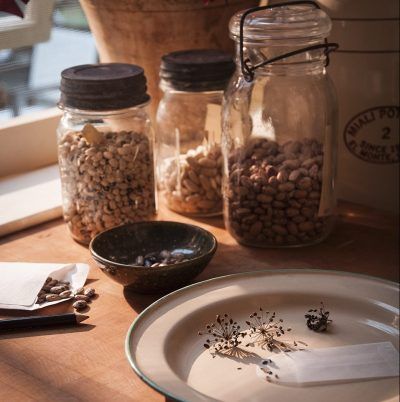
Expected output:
(65, 294)
(54, 290)
(52, 297)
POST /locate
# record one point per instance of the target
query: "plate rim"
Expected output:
(162, 299)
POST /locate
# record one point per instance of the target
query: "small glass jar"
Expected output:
(105, 148)
(279, 130)
(189, 130)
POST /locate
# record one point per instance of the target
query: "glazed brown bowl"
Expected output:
(115, 251)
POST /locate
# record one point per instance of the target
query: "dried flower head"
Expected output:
(224, 336)
(318, 319)
(266, 330)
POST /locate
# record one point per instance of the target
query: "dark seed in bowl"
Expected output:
(161, 259)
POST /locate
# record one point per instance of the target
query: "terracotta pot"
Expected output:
(141, 31)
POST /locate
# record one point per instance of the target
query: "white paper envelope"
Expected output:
(21, 282)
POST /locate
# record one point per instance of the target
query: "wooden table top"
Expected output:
(87, 362)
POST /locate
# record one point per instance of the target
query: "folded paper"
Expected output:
(21, 282)
(332, 365)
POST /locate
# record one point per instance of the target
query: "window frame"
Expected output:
(28, 143)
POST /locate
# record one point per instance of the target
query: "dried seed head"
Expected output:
(225, 334)
(265, 330)
(318, 322)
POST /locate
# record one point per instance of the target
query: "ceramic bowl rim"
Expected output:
(103, 260)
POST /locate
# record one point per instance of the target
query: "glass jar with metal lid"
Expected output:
(189, 130)
(279, 128)
(105, 148)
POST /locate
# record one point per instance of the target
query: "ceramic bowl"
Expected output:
(115, 251)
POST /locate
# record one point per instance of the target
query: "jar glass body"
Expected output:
(279, 148)
(107, 170)
(189, 160)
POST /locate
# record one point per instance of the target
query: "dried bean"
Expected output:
(198, 189)
(264, 198)
(282, 176)
(65, 294)
(274, 191)
(97, 170)
(58, 289)
(291, 212)
(306, 226)
(79, 305)
(304, 183)
(79, 291)
(52, 297)
(82, 297)
(90, 292)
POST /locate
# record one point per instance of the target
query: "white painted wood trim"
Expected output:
(35, 27)
(29, 142)
(29, 199)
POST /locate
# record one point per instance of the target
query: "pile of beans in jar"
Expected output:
(108, 180)
(273, 193)
(195, 186)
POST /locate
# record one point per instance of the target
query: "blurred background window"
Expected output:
(52, 36)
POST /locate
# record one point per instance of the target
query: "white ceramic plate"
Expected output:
(165, 350)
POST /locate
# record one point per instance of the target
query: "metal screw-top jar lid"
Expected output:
(197, 70)
(108, 86)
